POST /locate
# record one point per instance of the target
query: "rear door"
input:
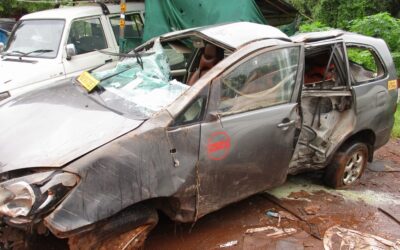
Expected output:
(370, 84)
(248, 138)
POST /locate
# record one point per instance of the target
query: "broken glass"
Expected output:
(140, 91)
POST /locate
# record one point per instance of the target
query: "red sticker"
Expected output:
(219, 145)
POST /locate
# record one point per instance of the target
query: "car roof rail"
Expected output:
(101, 3)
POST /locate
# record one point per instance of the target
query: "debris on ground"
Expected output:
(272, 231)
(229, 244)
(342, 238)
(312, 209)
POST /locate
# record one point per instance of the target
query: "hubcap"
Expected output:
(353, 168)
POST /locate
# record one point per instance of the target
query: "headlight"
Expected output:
(18, 199)
(23, 198)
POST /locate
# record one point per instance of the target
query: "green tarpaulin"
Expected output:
(163, 16)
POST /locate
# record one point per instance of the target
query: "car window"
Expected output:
(178, 54)
(87, 36)
(133, 26)
(193, 113)
(262, 81)
(133, 29)
(364, 64)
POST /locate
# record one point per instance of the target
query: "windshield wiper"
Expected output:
(12, 53)
(40, 51)
(136, 54)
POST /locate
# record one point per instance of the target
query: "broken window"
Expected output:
(325, 67)
(364, 64)
(140, 90)
(264, 80)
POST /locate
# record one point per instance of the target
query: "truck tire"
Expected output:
(347, 165)
(122, 232)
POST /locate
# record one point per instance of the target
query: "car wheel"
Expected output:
(117, 234)
(347, 165)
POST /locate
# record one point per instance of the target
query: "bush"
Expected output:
(384, 26)
(313, 27)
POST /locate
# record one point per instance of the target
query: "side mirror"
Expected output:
(71, 51)
(1, 47)
(213, 116)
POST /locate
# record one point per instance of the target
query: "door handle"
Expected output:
(286, 124)
(108, 60)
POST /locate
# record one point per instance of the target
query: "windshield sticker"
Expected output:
(392, 85)
(88, 81)
(218, 146)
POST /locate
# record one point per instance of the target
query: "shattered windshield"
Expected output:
(140, 92)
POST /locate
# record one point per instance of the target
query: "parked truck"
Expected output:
(55, 44)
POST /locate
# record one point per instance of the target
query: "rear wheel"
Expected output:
(347, 165)
(119, 233)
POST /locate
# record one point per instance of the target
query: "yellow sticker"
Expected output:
(121, 22)
(88, 81)
(123, 7)
(392, 84)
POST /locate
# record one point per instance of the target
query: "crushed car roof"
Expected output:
(235, 35)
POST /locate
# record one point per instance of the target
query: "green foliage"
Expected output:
(14, 8)
(313, 27)
(380, 25)
(396, 128)
(338, 13)
(362, 57)
(384, 26)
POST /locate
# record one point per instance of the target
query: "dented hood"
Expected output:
(53, 126)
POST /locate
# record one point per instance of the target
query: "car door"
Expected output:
(371, 88)
(248, 137)
(88, 36)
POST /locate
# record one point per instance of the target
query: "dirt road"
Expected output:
(361, 207)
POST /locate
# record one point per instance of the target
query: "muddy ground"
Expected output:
(306, 207)
(361, 207)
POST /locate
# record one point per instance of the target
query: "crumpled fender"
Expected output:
(133, 168)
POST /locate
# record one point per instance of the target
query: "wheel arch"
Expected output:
(366, 136)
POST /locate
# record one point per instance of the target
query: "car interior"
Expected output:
(326, 104)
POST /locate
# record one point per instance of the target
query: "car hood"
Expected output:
(16, 73)
(53, 126)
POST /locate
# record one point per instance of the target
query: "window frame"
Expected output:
(377, 58)
(216, 84)
(205, 93)
(127, 14)
(84, 19)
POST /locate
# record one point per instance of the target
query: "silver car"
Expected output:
(190, 122)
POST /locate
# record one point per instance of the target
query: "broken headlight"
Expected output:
(34, 193)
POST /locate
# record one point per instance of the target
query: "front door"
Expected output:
(248, 142)
(88, 36)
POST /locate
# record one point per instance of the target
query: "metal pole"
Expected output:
(122, 40)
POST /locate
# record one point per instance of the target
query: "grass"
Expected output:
(396, 128)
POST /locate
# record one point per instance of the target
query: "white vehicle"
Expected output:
(55, 44)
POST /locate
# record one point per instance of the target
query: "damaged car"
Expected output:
(192, 121)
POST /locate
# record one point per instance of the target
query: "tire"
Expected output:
(119, 233)
(347, 166)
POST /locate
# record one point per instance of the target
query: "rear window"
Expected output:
(364, 64)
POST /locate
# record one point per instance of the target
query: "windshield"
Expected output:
(36, 38)
(141, 92)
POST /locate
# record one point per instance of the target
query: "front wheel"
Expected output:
(347, 165)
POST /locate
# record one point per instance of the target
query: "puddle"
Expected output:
(370, 197)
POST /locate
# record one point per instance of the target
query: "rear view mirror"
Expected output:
(71, 51)
(1, 47)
